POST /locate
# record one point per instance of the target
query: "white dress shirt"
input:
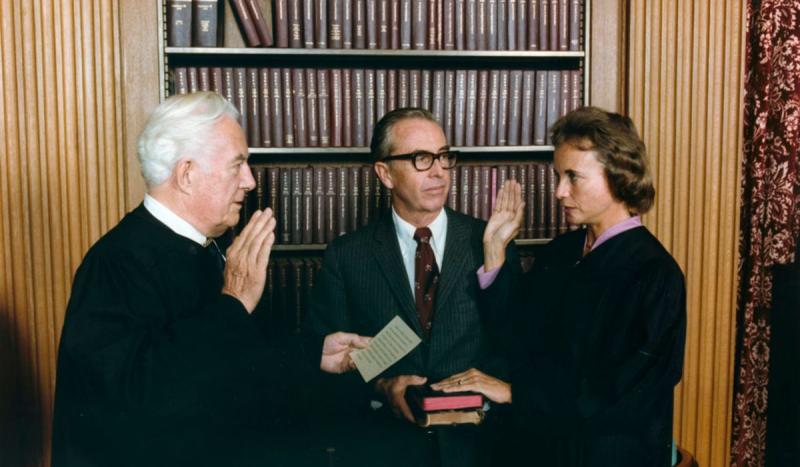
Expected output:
(408, 246)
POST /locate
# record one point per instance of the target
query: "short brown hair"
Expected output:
(381, 143)
(618, 147)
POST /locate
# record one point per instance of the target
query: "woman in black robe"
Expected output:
(596, 329)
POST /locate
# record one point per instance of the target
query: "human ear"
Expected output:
(384, 174)
(184, 174)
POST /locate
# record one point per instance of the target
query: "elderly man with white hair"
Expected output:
(160, 362)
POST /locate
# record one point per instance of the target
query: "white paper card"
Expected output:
(391, 344)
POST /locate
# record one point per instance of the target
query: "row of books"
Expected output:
(384, 24)
(314, 205)
(305, 107)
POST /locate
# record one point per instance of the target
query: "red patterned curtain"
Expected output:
(770, 213)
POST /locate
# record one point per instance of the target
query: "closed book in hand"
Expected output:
(424, 399)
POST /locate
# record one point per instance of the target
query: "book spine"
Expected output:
(552, 205)
(472, 107)
(470, 24)
(355, 197)
(465, 189)
(281, 15)
(481, 114)
(566, 95)
(240, 77)
(540, 225)
(204, 77)
(437, 107)
(391, 90)
(553, 21)
(511, 24)
(563, 24)
(553, 99)
(575, 25)
(312, 101)
(514, 107)
(295, 24)
(276, 106)
(460, 107)
(449, 105)
(522, 24)
(366, 194)
(414, 88)
(336, 107)
(372, 24)
(527, 117)
(253, 104)
(308, 24)
(273, 190)
(260, 176)
(246, 23)
(533, 24)
(458, 18)
(262, 27)
(285, 209)
(481, 38)
(180, 78)
(502, 25)
(216, 79)
(494, 98)
(419, 24)
(395, 21)
(369, 105)
(228, 84)
(297, 214)
(425, 89)
(323, 108)
(475, 202)
(452, 194)
(288, 106)
(544, 25)
(194, 80)
(342, 201)
(321, 24)
(493, 185)
(359, 112)
(335, 23)
(502, 109)
(380, 94)
(347, 24)
(307, 205)
(405, 24)
(576, 78)
(432, 29)
(529, 181)
(522, 178)
(205, 23)
(384, 22)
(449, 24)
(179, 23)
(491, 25)
(347, 108)
(485, 192)
(540, 109)
(300, 117)
(359, 24)
(330, 204)
(402, 88)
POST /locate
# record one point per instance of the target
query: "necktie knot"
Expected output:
(423, 235)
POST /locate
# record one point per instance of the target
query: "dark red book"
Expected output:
(502, 109)
(240, 100)
(502, 25)
(566, 95)
(276, 107)
(486, 193)
(522, 24)
(308, 23)
(494, 94)
(472, 108)
(253, 103)
(491, 24)
(458, 19)
(179, 23)
(273, 187)
(526, 111)
(540, 109)
(553, 99)
(391, 90)
(295, 24)
(449, 105)
(296, 215)
(511, 24)
(335, 23)
(384, 25)
(281, 16)
(522, 177)
(576, 77)
(323, 108)
(372, 24)
(321, 24)
(394, 24)
(471, 24)
(359, 24)
(540, 218)
(194, 79)
(216, 79)
(359, 111)
(336, 107)
(342, 201)
(533, 24)
(307, 207)
(365, 201)
(428, 400)
(347, 24)
(246, 22)
(437, 105)
(465, 189)
(553, 21)
(402, 89)
(318, 208)
(575, 25)
(228, 84)
(460, 109)
(205, 21)
(414, 88)
(380, 95)
(180, 80)
(514, 107)
(405, 24)
(563, 24)
(330, 204)
(355, 197)
(262, 26)
(544, 25)
(347, 109)
(425, 89)
(299, 98)
(369, 105)
(312, 107)
(288, 106)
(204, 78)
(482, 114)
(448, 25)
(433, 19)
(475, 202)
(452, 195)
(419, 24)
(260, 176)
(285, 207)
(552, 204)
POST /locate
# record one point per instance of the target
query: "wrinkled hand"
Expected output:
(394, 390)
(503, 226)
(336, 351)
(474, 380)
(248, 255)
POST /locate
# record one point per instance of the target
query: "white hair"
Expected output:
(179, 127)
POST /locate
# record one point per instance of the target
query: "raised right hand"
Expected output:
(503, 225)
(394, 390)
(248, 255)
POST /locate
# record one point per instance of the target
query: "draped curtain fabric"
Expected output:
(769, 211)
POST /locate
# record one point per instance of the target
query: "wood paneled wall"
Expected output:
(685, 89)
(62, 184)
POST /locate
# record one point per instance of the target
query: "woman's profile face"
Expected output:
(583, 189)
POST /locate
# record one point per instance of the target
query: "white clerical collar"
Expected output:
(173, 221)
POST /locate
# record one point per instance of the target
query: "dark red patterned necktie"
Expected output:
(426, 278)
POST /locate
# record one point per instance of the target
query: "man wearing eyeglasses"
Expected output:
(418, 262)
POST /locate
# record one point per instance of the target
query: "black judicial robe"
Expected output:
(597, 347)
(155, 365)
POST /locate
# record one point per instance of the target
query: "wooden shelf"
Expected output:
(346, 151)
(372, 53)
(321, 246)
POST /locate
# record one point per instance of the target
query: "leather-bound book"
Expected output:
(381, 101)
(553, 25)
(312, 107)
(526, 112)
(391, 90)
(458, 19)
(448, 24)
(342, 201)
(465, 189)
(285, 207)
(367, 188)
(566, 95)
(216, 79)
(273, 190)
(485, 192)
(491, 24)
(449, 105)
(403, 89)
(544, 25)
(318, 205)
(437, 105)
(481, 23)
(394, 24)
(336, 107)
(460, 109)
(228, 84)
(563, 24)
(288, 107)
(494, 95)
(540, 109)
(432, 26)
(502, 109)
(514, 107)
(553, 99)
(281, 16)
(471, 24)
(482, 111)
(575, 25)
(522, 178)
(309, 6)
(180, 80)
(347, 108)
(452, 194)
(529, 181)
(369, 105)
(295, 24)
(204, 78)
(335, 12)
(296, 280)
(576, 78)
(471, 108)
(307, 205)
(419, 24)
(240, 100)
(276, 107)
(552, 204)
(179, 23)
(475, 202)
(296, 215)
(205, 23)
(522, 25)
(354, 185)
(502, 24)
(347, 24)
(330, 204)
(245, 22)
(321, 24)
(253, 103)
(372, 24)
(540, 222)
(533, 24)
(194, 79)
(425, 89)
(300, 116)
(359, 111)
(262, 26)
(405, 24)
(323, 107)
(414, 88)
(384, 25)
(511, 24)
(359, 24)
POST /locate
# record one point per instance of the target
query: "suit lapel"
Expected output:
(456, 257)
(387, 253)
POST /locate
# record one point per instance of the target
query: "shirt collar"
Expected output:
(616, 229)
(173, 221)
(405, 230)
